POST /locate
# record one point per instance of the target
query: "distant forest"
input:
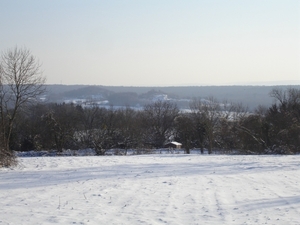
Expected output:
(250, 96)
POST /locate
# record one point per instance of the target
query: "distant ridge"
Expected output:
(258, 83)
(249, 95)
(274, 83)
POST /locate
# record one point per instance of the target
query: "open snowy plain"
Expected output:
(152, 189)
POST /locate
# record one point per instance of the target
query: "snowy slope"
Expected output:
(152, 189)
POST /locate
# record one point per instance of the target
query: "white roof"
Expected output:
(175, 143)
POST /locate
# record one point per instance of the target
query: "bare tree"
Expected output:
(284, 119)
(128, 133)
(159, 118)
(21, 81)
(230, 117)
(207, 114)
(186, 131)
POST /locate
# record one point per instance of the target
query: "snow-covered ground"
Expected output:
(152, 189)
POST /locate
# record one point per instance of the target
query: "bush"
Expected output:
(7, 158)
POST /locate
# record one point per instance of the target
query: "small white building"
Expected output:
(173, 144)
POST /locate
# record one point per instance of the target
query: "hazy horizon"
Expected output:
(158, 43)
(262, 83)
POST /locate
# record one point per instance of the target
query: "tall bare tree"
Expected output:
(186, 131)
(207, 114)
(158, 119)
(21, 82)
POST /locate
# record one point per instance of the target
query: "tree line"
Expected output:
(207, 125)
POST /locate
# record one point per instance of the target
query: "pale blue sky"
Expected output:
(157, 42)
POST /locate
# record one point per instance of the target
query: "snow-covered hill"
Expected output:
(152, 189)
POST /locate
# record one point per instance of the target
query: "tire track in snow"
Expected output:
(213, 208)
(264, 198)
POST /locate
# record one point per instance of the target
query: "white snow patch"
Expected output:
(152, 189)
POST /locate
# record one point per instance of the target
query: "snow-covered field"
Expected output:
(152, 189)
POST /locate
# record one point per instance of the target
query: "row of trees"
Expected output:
(207, 125)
